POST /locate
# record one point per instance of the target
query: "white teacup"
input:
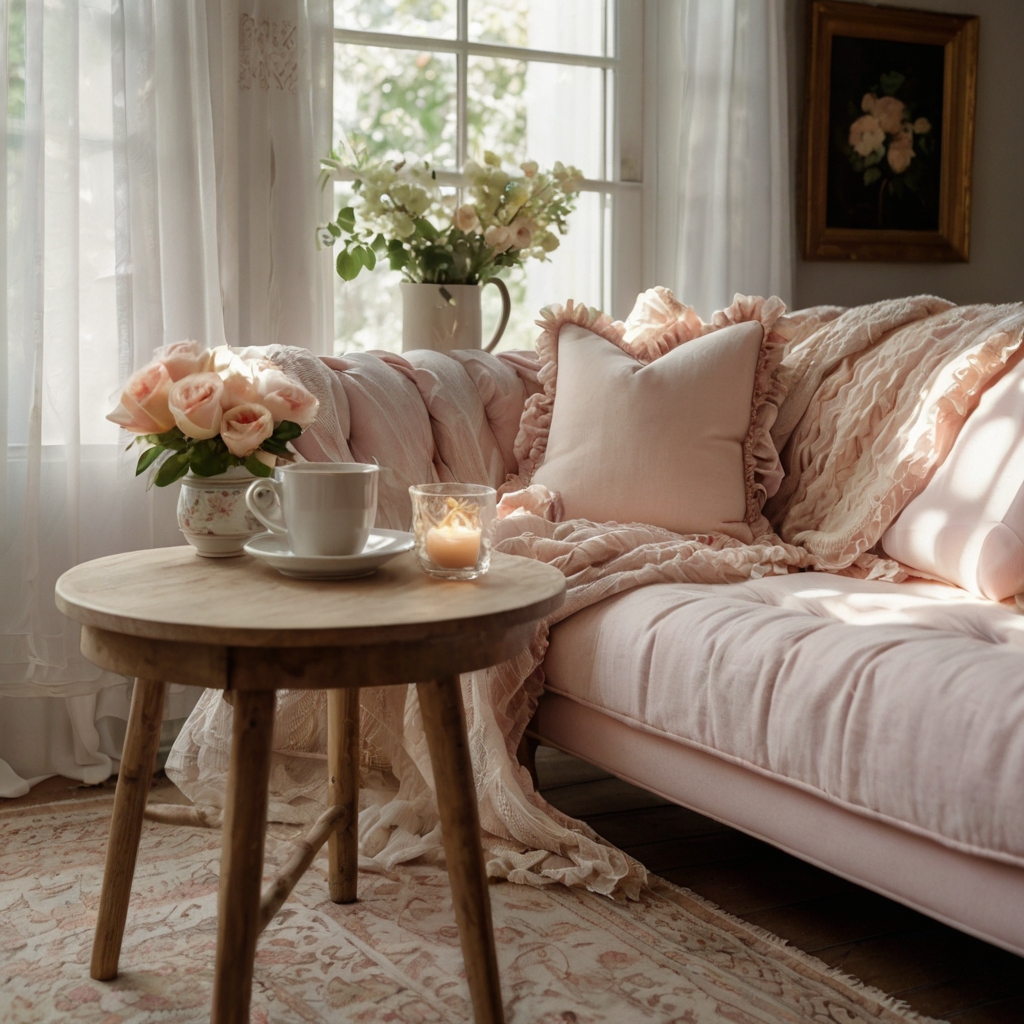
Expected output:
(324, 508)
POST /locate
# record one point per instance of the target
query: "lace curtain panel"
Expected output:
(152, 193)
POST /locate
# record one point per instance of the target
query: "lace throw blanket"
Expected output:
(874, 398)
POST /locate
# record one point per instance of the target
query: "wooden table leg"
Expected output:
(138, 759)
(445, 724)
(241, 862)
(343, 768)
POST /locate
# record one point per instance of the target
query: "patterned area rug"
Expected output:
(566, 957)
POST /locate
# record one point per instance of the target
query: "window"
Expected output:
(444, 80)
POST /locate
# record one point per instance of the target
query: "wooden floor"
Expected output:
(937, 970)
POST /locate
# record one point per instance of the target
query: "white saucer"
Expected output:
(383, 545)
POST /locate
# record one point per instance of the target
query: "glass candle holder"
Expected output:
(452, 524)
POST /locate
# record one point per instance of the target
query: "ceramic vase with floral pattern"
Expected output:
(213, 515)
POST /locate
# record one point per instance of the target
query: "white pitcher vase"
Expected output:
(443, 317)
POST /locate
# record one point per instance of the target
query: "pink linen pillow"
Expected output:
(661, 420)
(967, 526)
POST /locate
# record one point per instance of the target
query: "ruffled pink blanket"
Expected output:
(869, 401)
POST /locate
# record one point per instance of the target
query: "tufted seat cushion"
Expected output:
(903, 702)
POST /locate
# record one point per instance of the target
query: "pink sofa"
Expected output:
(873, 729)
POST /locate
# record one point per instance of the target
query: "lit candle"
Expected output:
(453, 546)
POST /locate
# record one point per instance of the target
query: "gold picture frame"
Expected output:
(888, 134)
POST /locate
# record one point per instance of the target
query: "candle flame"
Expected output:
(461, 513)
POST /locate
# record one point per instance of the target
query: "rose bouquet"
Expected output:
(398, 212)
(885, 139)
(208, 410)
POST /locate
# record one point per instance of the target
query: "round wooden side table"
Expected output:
(167, 616)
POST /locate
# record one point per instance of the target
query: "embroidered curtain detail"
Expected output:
(267, 54)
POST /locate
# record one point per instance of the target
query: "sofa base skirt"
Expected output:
(974, 894)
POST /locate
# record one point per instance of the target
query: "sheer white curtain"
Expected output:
(160, 167)
(718, 212)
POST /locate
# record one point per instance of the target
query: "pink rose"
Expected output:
(922, 126)
(183, 358)
(466, 219)
(195, 403)
(239, 388)
(901, 152)
(244, 428)
(866, 135)
(522, 232)
(498, 238)
(889, 114)
(225, 360)
(867, 104)
(285, 399)
(144, 408)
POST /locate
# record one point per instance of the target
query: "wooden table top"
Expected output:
(173, 594)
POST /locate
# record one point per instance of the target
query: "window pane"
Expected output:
(368, 312)
(566, 26)
(545, 112)
(408, 17)
(395, 102)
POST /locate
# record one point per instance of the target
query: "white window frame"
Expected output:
(621, 182)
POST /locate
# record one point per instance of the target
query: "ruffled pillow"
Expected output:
(663, 419)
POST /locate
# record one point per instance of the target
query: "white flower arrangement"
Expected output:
(399, 213)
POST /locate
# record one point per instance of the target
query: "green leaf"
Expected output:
(173, 439)
(398, 258)
(256, 467)
(275, 447)
(394, 244)
(891, 81)
(210, 458)
(435, 260)
(147, 458)
(346, 219)
(368, 256)
(334, 230)
(173, 469)
(380, 243)
(425, 229)
(348, 265)
(286, 431)
(871, 175)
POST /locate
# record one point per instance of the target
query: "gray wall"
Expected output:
(995, 272)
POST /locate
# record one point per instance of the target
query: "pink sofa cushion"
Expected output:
(967, 525)
(903, 702)
(664, 422)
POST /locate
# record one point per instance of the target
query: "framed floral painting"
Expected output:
(889, 133)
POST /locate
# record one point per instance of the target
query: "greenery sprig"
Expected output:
(209, 457)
